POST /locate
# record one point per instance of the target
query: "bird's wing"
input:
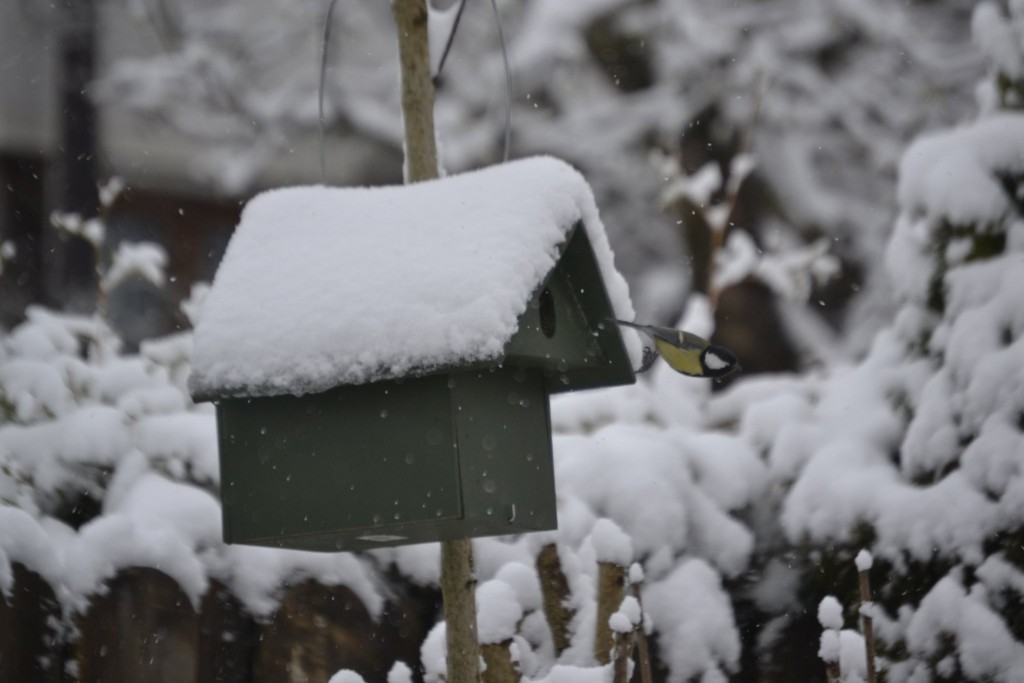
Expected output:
(678, 338)
(688, 340)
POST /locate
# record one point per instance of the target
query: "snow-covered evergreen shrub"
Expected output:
(918, 451)
(106, 464)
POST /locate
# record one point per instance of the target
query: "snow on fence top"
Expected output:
(321, 286)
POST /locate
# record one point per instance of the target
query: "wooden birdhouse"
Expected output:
(381, 358)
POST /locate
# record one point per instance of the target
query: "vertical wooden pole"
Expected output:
(622, 652)
(458, 585)
(867, 625)
(643, 651)
(458, 591)
(555, 593)
(500, 667)
(611, 588)
(417, 90)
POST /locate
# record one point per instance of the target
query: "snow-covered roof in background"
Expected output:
(327, 286)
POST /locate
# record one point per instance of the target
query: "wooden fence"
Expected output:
(144, 629)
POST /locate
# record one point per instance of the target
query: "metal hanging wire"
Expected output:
(449, 41)
(504, 58)
(323, 78)
(437, 77)
(508, 80)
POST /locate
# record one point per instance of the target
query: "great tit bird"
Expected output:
(685, 352)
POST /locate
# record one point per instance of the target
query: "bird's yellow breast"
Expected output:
(686, 361)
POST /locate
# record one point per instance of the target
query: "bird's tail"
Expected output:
(627, 324)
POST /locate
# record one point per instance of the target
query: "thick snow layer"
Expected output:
(828, 650)
(864, 560)
(561, 673)
(145, 260)
(434, 655)
(614, 469)
(620, 623)
(498, 612)
(150, 521)
(400, 673)
(830, 613)
(611, 543)
(523, 580)
(346, 676)
(852, 661)
(996, 36)
(628, 616)
(985, 649)
(24, 541)
(691, 612)
(326, 286)
(953, 174)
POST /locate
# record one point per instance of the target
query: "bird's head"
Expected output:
(718, 361)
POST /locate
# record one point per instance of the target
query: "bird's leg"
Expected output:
(650, 355)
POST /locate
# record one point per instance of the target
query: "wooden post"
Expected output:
(458, 592)
(458, 585)
(611, 588)
(498, 658)
(141, 628)
(643, 651)
(555, 593)
(417, 90)
(30, 644)
(622, 652)
(867, 625)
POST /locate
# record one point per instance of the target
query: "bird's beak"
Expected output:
(734, 370)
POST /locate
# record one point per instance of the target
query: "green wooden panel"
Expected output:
(393, 463)
(565, 329)
(553, 332)
(360, 457)
(504, 434)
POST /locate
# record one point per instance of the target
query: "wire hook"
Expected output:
(323, 77)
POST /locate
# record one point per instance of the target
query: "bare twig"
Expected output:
(719, 232)
(643, 651)
(867, 624)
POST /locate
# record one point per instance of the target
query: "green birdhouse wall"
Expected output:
(454, 451)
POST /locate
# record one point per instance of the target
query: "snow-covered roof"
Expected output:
(328, 286)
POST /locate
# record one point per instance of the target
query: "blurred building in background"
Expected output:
(60, 139)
